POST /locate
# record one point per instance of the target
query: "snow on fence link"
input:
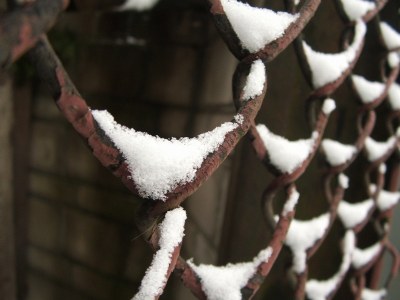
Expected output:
(255, 36)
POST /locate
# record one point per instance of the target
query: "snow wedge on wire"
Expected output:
(337, 153)
(390, 37)
(326, 67)
(138, 5)
(386, 199)
(302, 235)
(393, 59)
(394, 96)
(352, 214)
(171, 235)
(255, 81)
(322, 289)
(159, 165)
(286, 156)
(226, 282)
(368, 294)
(356, 9)
(368, 91)
(362, 257)
(256, 27)
(376, 150)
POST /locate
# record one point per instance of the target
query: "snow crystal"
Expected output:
(328, 106)
(391, 37)
(385, 199)
(302, 235)
(367, 90)
(394, 96)
(376, 150)
(362, 257)
(352, 214)
(320, 289)
(239, 119)
(393, 59)
(343, 181)
(356, 9)
(220, 283)
(255, 80)
(256, 27)
(159, 165)
(326, 68)
(337, 153)
(285, 155)
(291, 202)
(139, 5)
(368, 294)
(171, 234)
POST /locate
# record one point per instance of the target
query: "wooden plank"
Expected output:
(21, 144)
(7, 257)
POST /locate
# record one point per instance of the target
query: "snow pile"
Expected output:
(302, 235)
(337, 153)
(286, 155)
(367, 90)
(362, 257)
(326, 68)
(319, 290)
(393, 59)
(255, 80)
(256, 27)
(159, 165)
(390, 37)
(352, 214)
(226, 282)
(382, 168)
(356, 9)
(343, 181)
(171, 234)
(139, 5)
(394, 96)
(376, 150)
(368, 294)
(291, 203)
(385, 198)
(328, 106)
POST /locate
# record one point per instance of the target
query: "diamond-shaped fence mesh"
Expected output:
(351, 151)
